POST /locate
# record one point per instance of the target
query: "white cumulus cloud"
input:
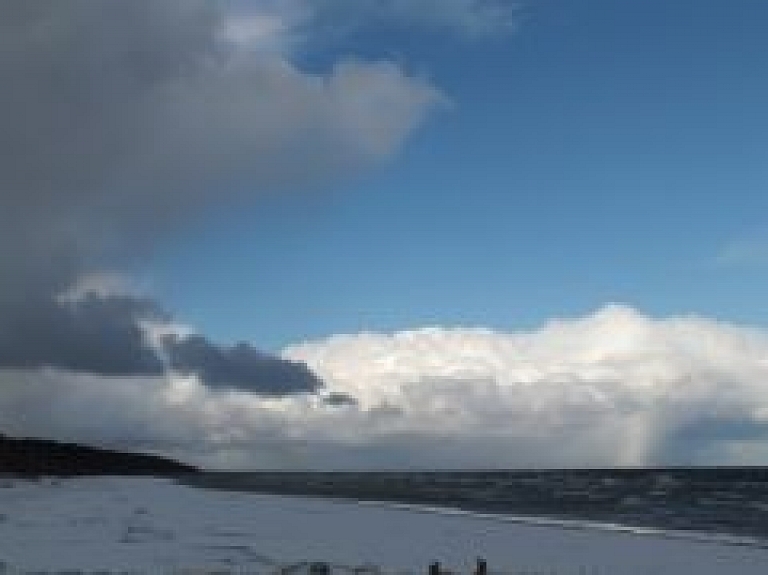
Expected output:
(615, 387)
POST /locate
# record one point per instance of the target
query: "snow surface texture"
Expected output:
(150, 525)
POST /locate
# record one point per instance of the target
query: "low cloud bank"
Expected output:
(615, 387)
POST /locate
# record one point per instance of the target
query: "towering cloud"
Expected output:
(612, 388)
(123, 119)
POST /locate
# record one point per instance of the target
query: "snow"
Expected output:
(155, 525)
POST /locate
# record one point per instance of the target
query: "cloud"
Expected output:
(472, 19)
(287, 25)
(615, 387)
(123, 120)
(337, 399)
(93, 331)
(612, 388)
(132, 111)
(267, 25)
(240, 366)
(748, 252)
(92, 334)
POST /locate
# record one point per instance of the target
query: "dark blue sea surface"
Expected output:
(726, 501)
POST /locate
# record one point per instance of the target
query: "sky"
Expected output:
(593, 152)
(387, 233)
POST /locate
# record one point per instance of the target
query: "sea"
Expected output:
(714, 501)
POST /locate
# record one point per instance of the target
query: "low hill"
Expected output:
(45, 457)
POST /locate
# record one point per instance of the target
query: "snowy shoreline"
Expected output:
(574, 524)
(154, 525)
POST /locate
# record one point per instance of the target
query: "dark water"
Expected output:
(732, 501)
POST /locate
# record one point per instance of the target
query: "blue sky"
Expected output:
(602, 151)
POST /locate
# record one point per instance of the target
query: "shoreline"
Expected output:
(158, 525)
(729, 515)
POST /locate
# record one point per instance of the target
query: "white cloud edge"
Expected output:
(288, 24)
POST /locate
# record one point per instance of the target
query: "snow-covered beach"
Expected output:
(155, 525)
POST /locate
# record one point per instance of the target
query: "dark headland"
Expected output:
(46, 457)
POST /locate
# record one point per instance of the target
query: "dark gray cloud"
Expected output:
(240, 366)
(124, 117)
(338, 399)
(93, 335)
(104, 335)
(120, 121)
